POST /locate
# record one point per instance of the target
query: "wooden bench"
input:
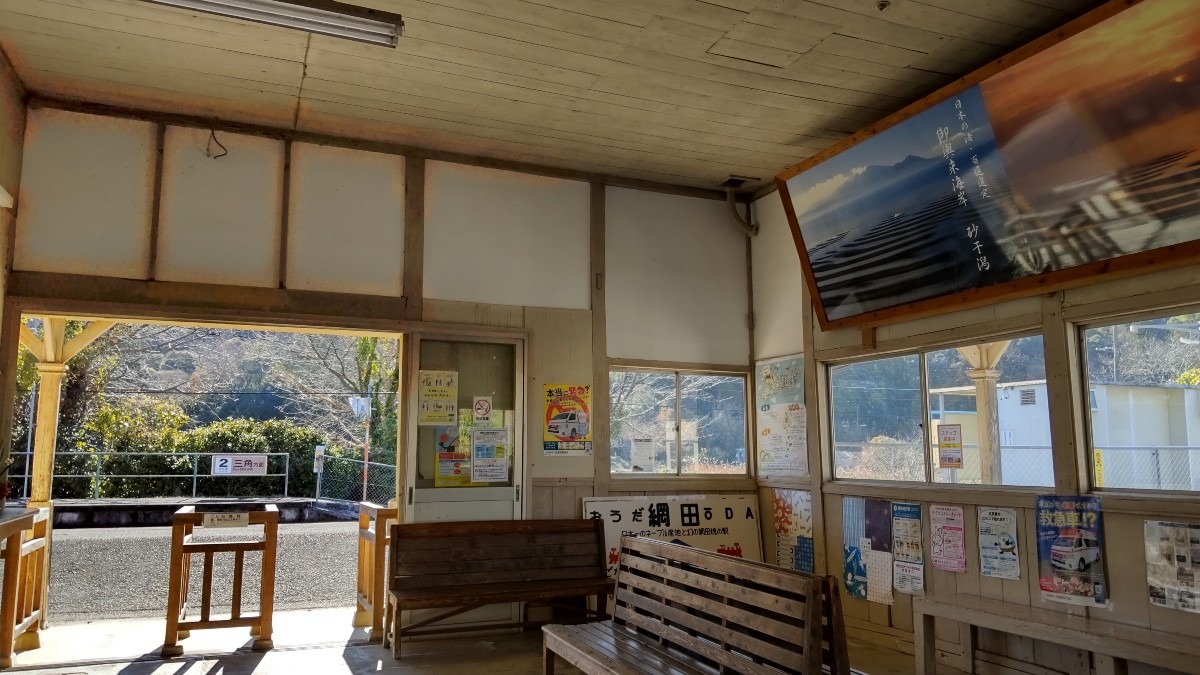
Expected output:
(683, 611)
(467, 565)
(1115, 643)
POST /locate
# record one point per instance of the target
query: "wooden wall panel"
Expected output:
(12, 128)
(221, 214)
(559, 352)
(505, 238)
(345, 221)
(675, 286)
(86, 194)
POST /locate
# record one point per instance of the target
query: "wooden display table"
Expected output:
(24, 533)
(184, 522)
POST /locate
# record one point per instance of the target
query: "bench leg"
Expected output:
(547, 659)
(602, 605)
(395, 630)
(923, 638)
(1110, 665)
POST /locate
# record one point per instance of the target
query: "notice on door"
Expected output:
(437, 398)
(489, 455)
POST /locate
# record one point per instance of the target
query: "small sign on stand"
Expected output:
(226, 520)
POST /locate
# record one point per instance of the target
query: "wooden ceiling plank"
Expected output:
(691, 143)
(912, 14)
(540, 132)
(754, 53)
(276, 112)
(508, 47)
(140, 9)
(702, 13)
(33, 47)
(1011, 12)
(596, 9)
(864, 25)
(865, 50)
(771, 36)
(333, 118)
(457, 21)
(771, 121)
(923, 81)
(195, 86)
(740, 85)
(51, 18)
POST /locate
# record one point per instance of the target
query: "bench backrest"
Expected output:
(742, 616)
(425, 555)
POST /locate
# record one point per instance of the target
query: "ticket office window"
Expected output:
(449, 438)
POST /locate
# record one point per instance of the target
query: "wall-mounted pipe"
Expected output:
(745, 224)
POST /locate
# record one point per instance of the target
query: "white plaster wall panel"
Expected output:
(346, 221)
(506, 238)
(675, 288)
(220, 215)
(87, 186)
(778, 283)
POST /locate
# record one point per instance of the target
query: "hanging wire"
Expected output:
(212, 138)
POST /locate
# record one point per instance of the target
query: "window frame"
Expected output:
(678, 372)
(1086, 451)
(826, 415)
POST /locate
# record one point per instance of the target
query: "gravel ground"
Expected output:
(110, 573)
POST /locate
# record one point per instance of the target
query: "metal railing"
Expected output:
(352, 480)
(95, 466)
(1146, 467)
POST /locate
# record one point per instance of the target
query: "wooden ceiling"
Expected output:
(686, 92)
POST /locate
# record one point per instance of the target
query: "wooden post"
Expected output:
(175, 592)
(267, 593)
(50, 376)
(983, 360)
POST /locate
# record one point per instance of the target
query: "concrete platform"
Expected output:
(320, 642)
(157, 512)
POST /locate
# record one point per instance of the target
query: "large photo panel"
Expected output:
(1084, 153)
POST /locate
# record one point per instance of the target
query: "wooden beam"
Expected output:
(85, 337)
(33, 343)
(160, 144)
(54, 338)
(600, 413)
(414, 236)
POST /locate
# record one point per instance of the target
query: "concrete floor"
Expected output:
(115, 573)
(317, 642)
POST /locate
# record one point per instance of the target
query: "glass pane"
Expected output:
(642, 421)
(713, 430)
(483, 369)
(1011, 397)
(1144, 382)
(877, 432)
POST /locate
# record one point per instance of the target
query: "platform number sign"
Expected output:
(239, 465)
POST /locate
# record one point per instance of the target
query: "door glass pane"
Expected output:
(713, 425)
(642, 421)
(877, 430)
(444, 450)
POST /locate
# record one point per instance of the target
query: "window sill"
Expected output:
(669, 483)
(979, 495)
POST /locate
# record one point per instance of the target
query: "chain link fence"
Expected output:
(353, 480)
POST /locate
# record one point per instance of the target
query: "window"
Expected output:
(1144, 379)
(886, 415)
(679, 423)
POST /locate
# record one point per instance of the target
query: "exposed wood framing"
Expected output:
(285, 213)
(600, 418)
(414, 236)
(160, 142)
(678, 365)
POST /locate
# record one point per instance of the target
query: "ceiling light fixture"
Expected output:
(325, 17)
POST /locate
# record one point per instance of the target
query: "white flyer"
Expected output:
(998, 555)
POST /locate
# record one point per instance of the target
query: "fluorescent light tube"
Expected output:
(324, 17)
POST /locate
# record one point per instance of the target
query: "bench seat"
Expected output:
(683, 611)
(607, 648)
(1118, 641)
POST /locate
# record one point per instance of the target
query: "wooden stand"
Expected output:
(182, 548)
(373, 538)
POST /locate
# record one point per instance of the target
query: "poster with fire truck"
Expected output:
(720, 523)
